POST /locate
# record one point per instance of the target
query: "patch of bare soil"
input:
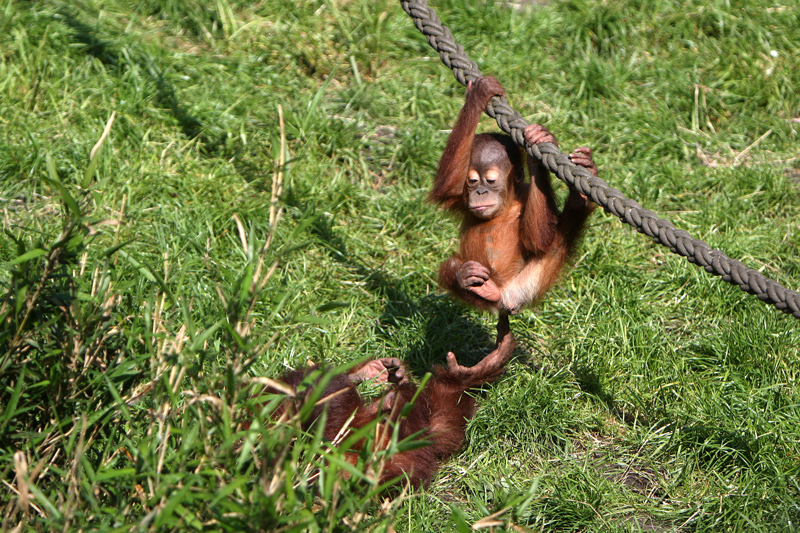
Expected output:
(794, 175)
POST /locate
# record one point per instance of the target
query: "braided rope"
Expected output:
(613, 201)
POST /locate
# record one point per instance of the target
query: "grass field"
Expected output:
(196, 194)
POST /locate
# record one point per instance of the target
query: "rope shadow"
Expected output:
(710, 444)
(165, 94)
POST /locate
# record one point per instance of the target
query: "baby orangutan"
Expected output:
(513, 241)
(441, 409)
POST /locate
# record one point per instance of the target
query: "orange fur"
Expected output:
(510, 254)
(441, 411)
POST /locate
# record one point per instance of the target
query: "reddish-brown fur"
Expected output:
(441, 409)
(513, 241)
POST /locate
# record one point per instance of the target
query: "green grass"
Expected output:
(646, 395)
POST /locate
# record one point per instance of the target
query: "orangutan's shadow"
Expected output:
(449, 326)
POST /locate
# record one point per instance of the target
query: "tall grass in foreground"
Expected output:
(257, 201)
(111, 419)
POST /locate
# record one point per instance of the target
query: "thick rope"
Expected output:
(613, 201)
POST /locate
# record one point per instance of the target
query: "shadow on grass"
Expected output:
(590, 382)
(709, 444)
(446, 327)
(165, 95)
(718, 446)
(92, 45)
